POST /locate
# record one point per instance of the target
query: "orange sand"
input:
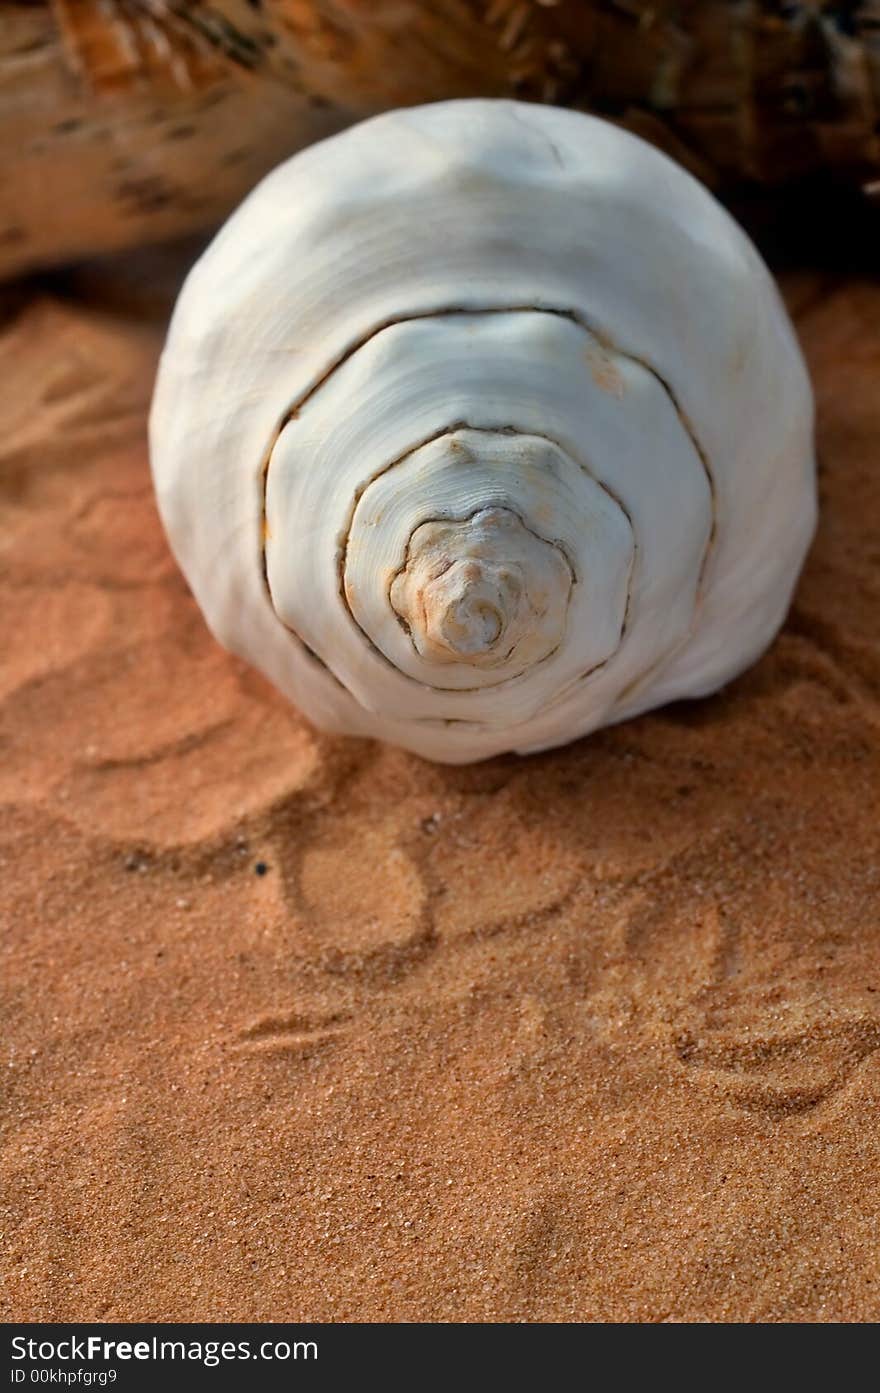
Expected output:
(593, 1035)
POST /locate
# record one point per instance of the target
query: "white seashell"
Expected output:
(482, 425)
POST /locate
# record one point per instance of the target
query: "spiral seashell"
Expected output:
(481, 426)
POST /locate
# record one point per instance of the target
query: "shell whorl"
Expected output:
(498, 457)
(483, 590)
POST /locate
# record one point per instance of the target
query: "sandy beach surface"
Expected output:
(304, 1028)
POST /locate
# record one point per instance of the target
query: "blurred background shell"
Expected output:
(133, 121)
